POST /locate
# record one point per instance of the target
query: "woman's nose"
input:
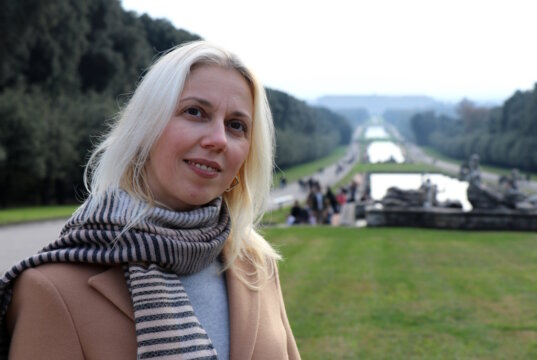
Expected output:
(215, 138)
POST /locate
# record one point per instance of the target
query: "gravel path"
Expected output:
(23, 240)
(327, 177)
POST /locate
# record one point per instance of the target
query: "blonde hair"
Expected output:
(118, 162)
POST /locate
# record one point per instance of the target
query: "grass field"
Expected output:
(409, 293)
(22, 214)
(278, 216)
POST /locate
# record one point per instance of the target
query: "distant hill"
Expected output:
(378, 104)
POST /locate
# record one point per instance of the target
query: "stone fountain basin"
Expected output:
(445, 218)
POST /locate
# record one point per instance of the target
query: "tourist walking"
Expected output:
(316, 204)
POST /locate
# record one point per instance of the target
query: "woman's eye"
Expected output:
(237, 125)
(193, 111)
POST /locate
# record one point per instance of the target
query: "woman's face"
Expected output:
(205, 142)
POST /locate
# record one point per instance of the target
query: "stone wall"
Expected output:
(452, 219)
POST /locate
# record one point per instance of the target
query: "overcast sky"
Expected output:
(446, 49)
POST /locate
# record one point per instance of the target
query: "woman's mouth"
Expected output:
(206, 167)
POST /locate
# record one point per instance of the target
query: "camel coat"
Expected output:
(79, 311)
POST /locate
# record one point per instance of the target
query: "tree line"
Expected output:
(504, 136)
(67, 67)
(304, 132)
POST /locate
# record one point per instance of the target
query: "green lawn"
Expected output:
(22, 214)
(397, 293)
(305, 170)
(278, 216)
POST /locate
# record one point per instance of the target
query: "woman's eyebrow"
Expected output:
(241, 114)
(198, 99)
(208, 104)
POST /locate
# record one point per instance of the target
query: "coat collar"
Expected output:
(243, 306)
(112, 285)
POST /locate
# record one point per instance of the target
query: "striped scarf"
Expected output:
(159, 246)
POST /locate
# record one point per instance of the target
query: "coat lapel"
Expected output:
(243, 315)
(112, 285)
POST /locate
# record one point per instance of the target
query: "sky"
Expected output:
(447, 49)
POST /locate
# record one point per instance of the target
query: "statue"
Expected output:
(396, 197)
(483, 196)
(424, 197)
(513, 197)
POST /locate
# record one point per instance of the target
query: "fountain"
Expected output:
(485, 208)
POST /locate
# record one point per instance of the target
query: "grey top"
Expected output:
(207, 292)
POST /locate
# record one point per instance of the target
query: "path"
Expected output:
(22, 240)
(327, 177)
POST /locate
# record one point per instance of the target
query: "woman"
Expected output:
(163, 260)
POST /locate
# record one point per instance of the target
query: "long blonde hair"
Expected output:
(119, 160)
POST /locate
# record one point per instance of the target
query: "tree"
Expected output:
(423, 125)
(472, 116)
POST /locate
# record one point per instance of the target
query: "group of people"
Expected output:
(323, 207)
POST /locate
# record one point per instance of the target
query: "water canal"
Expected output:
(379, 151)
(384, 151)
(376, 132)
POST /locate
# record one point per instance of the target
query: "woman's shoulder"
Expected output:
(61, 275)
(64, 282)
(69, 269)
(67, 307)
